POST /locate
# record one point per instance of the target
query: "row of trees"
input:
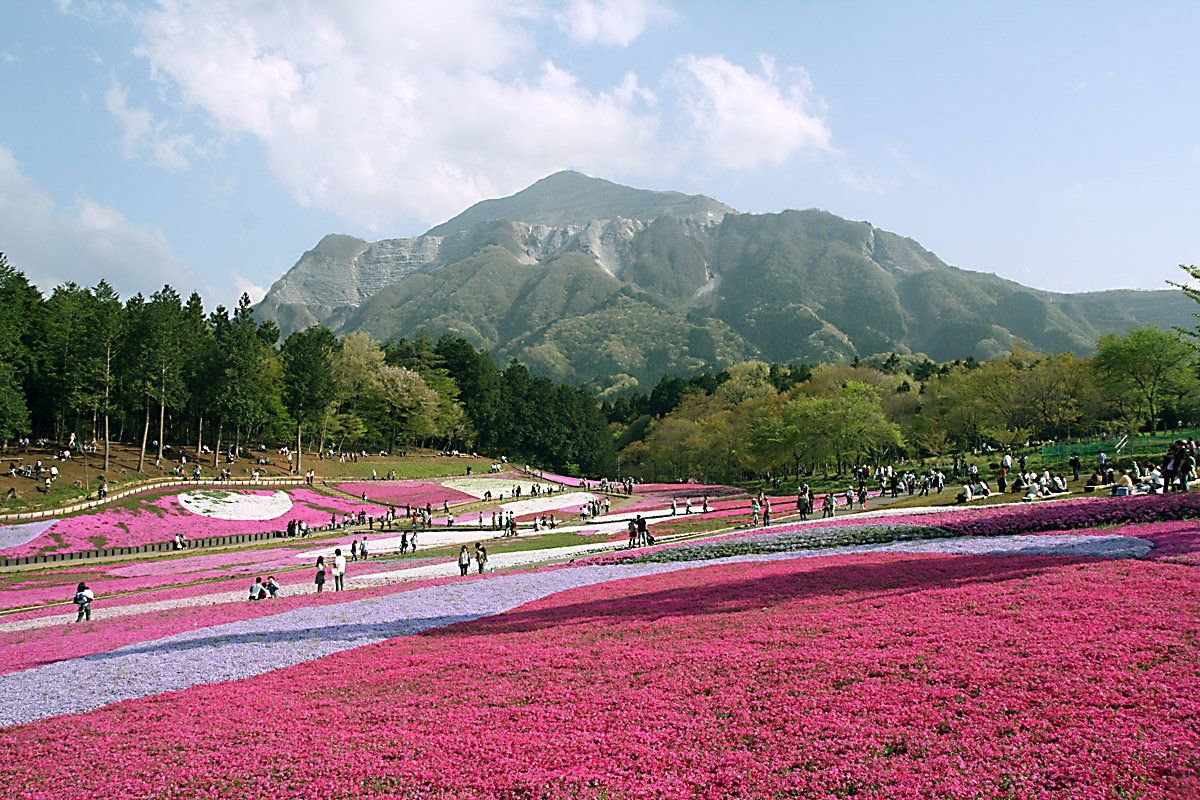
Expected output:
(753, 418)
(161, 369)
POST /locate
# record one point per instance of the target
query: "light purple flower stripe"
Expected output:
(251, 647)
(17, 535)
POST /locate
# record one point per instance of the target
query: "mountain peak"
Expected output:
(572, 198)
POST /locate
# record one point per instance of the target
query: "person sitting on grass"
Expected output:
(1124, 485)
(258, 591)
(272, 586)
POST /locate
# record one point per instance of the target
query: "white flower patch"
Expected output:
(236, 505)
(554, 502)
(477, 487)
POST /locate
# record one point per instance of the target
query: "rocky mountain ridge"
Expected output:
(588, 280)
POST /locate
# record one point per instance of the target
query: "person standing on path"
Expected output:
(481, 558)
(339, 570)
(633, 534)
(83, 599)
(319, 580)
(464, 561)
(354, 550)
(362, 549)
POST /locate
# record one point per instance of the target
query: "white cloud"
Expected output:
(142, 134)
(245, 286)
(383, 111)
(611, 22)
(864, 181)
(745, 119)
(85, 243)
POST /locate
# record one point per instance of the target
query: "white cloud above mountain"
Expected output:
(382, 112)
(83, 243)
(611, 22)
(144, 135)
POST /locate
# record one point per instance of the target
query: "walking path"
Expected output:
(448, 568)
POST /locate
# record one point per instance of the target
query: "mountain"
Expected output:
(587, 280)
(571, 198)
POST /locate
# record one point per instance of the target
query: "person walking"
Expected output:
(319, 580)
(481, 557)
(83, 599)
(354, 550)
(464, 561)
(339, 570)
(633, 533)
(362, 549)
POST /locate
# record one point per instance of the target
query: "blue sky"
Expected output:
(209, 144)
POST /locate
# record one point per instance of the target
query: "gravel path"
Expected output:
(251, 647)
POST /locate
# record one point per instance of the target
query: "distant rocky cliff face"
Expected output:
(588, 280)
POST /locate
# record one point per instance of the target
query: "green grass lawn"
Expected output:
(407, 467)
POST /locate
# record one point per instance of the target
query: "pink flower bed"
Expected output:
(565, 480)
(160, 579)
(158, 519)
(411, 493)
(686, 489)
(881, 676)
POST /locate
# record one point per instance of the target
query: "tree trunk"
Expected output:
(145, 437)
(199, 438)
(162, 416)
(106, 430)
(296, 463)
(237, 441)
(217, 449)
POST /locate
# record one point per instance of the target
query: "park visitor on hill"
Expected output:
(83, 599)
(319, 579)
(339, 570)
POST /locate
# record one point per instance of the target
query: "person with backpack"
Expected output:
(83, 599)
(481, 557)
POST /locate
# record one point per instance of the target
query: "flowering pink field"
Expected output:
(869, 676)
(158, 518)
(411, 493)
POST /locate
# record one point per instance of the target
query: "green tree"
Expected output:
(308, 387)
(1142, 369)
(106, 326)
